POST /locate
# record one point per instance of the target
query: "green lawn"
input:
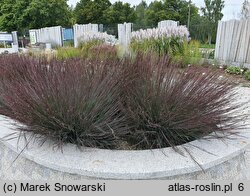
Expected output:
(212, 46)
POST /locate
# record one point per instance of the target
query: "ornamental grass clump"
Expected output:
(92, 40)
(68, 52)
(168, 40)
(139, 102)
(72, 101)
(104, 51)
(169, 106)
(101, 36)
(189, 54)
(96, 38)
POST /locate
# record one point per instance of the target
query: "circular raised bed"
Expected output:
(219, 159)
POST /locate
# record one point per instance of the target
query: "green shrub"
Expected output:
(247, 75)
(190, 53)
(211, 54)
(234, 70)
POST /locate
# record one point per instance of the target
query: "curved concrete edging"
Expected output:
(224, 160)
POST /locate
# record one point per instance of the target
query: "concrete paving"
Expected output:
(247, 159)
(245, 96)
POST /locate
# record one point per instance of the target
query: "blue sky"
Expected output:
(231, 11)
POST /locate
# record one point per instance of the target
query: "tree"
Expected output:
(10, 14)
(213, 13)
(199, 28)
(46, 13)
(156, 13)
(245, 10)
(1, 3)
(27, 14)
(170, 10)
(178, 10)
(119, 13)
(91, 11)
(140, 12)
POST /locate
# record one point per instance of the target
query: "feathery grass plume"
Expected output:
(158, 33)
(96, 38)
(168, 40)
(101, 36)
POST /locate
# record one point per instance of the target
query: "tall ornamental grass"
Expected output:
(96, 38)
(168, 40)
(189, 53)
(91, 41)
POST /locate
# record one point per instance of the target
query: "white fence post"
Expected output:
(15, 38)
(33, 36)
(79, 31)
(124, 33)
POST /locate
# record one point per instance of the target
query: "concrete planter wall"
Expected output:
(224, 160)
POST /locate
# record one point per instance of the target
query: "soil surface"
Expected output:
(236, 79)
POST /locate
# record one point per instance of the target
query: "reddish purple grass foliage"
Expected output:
(140, 102)
(104, 51)
(171, 106)
(74, 101)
